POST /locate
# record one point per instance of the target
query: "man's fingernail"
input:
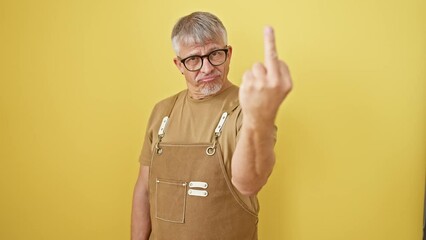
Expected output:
(268, 30)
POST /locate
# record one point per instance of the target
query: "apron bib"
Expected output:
(191, 195)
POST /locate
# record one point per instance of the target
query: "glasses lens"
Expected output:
(217, 57)
(193, 63)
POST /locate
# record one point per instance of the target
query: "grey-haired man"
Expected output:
(209, 149)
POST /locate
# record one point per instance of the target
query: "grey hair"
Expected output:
(196, 28)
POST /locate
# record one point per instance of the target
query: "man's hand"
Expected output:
(262, 91)
(265, 86)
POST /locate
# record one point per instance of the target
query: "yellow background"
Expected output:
(79, 79)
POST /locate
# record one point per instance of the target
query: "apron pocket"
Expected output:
(170, 200)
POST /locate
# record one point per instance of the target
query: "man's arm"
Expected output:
(262, 91)
(141, 222)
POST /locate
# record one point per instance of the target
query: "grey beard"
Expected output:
(210, 89)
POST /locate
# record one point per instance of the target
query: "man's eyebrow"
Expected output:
(196, 53)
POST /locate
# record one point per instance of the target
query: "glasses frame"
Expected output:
(226, 49)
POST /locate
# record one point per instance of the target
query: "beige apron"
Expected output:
(191, 196)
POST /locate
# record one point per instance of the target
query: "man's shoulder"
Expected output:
(232, 90)
(165, 102)
(231, 99)
(163, 107)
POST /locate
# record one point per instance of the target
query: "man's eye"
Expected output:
(192, 59)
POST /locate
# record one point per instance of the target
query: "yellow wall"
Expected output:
(78, 80)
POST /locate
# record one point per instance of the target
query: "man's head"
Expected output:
(202, 34)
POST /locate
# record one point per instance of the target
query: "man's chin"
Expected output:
(211, 88)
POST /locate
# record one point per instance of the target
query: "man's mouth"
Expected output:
(208, 78)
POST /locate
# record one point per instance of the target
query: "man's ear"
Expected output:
(179, 65)
(229, 52)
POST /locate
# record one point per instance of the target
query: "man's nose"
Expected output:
(207, 66)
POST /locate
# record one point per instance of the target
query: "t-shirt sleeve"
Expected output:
(147, 147)
(146, 152)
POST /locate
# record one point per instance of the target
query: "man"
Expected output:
(209, 149)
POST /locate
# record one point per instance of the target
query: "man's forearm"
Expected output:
(141, 222)
(254, 158)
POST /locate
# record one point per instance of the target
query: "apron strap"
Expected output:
(173, 100)
(211, 150)
(162, 129)
(229, 108)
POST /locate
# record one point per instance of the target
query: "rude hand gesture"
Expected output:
(265, 86)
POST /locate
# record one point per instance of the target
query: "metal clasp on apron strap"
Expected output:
(161, 132)
(211, 150)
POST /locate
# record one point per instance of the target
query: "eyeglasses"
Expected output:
(195, 63)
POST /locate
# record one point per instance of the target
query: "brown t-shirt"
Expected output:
(194, 121)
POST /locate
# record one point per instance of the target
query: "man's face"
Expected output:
(210, 79)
